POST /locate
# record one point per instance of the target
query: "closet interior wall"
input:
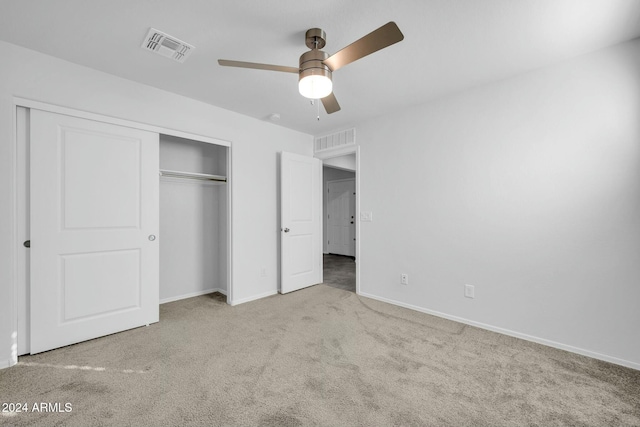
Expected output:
(193, 222)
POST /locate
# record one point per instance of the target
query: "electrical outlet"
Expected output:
(469, 291)
(404, 279)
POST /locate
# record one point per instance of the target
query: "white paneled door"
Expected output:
(94, 221)
(301, 227)
(341, 210)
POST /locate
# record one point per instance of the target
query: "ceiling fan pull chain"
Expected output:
(318, 111)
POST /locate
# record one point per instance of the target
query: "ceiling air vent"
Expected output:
(166, 45)
(335, 140)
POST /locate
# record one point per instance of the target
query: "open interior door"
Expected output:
(94, 220)
(341, 211)
(301, 226)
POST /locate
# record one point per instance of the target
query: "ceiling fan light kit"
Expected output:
(315, 79)
(315, 86)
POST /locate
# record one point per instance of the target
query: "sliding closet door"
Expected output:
(94, 217)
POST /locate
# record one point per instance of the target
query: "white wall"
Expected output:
(255, 145)
(528, 189)
(331, 174)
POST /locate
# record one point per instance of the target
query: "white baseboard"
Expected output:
(549, 343)
(252, 298)
(5, 364)
(192, 294)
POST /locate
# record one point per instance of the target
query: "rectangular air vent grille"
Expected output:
(166, 45)
(336, 140)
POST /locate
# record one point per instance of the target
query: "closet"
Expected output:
(193, 218)
(116, 217)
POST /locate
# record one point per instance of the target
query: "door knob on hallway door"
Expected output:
(286, 230)
(152, 237)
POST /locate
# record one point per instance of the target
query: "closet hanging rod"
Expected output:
(193, 175)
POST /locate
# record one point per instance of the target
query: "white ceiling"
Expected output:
(449, 45)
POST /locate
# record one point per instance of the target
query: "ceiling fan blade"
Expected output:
(256, 66)
(330, 103)
(378, 39)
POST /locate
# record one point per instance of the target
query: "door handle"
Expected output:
(286, 230)
(27, 243)
(351, 222)
(152, 237)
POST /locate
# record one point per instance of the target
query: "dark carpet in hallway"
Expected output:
(339, 272)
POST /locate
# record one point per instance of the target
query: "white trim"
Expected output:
(229, 228)
(358, 240)
(320, 265)
(338, 152)
(192, 294)
(30, 103)
(6, 364)
(13, 254)
(543, 341)
(22, 259)
(252, 298)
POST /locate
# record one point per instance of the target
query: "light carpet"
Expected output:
(320, 356)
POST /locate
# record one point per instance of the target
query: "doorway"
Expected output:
(340, 212)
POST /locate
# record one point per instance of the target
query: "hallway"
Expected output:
(339, 272)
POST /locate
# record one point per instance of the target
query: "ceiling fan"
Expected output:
(316, 67)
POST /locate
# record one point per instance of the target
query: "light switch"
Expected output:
(366, 216)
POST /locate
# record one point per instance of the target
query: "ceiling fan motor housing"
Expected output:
(311, 61)
(311, 64)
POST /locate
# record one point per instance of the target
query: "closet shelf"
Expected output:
(192, 175)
